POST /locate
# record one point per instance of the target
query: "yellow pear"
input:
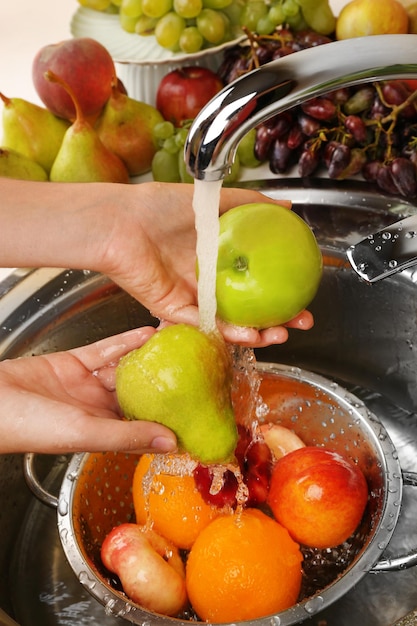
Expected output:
(125, 126)
(182, 378)
(82, 156)
(16, 165)
(32, 130)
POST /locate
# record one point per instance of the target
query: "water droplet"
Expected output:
(63, 507)
(386, 235)
(262, 410)
(64, 535)
(86, 580)
(392, 264)
(275, 620)
(314, 605)
(378, 248)
(411, 234)
(108, 609)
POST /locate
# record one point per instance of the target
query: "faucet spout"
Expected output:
(282, 84)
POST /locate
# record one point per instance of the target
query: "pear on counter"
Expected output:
(125, 126)
(181, 377)
(16, 165)
(32, 131)
(82, 156)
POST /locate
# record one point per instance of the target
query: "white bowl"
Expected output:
(140, 61)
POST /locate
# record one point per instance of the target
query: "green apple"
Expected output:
(269, 265)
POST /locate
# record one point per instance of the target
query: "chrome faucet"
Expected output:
(282, 84)
(289, 81)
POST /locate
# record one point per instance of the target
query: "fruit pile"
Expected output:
(89, 130)
(191, 25)
(368, 130)
(227, 528)
(228, 543)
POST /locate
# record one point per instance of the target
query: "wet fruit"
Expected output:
(170, 502)
(242, 567)
(181, 377)
(318, 495)
(269, 265)
(280, 440)
(149, 567)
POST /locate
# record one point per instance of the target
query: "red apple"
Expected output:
(149, 567)
(85, 65)
(183, 92)
(318, 495)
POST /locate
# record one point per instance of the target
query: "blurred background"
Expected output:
(26, 26)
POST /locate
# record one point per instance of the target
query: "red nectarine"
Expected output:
(149, 567)
(318, 495)
(85, 65)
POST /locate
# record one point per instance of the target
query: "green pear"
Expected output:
(16, 165)
(181, 377)
(32, 130)
(82, 156)
(125, 126)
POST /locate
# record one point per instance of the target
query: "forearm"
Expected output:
(55, 224)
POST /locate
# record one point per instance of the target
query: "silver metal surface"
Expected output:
(34, 483)
(386, 252)
(364, 338)
(282, 84)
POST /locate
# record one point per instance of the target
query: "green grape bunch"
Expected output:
(264, 16)
(168, 164)
(188, 26)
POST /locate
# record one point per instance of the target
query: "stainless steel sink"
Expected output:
(364, 338)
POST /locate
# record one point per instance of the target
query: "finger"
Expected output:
(126, 436)
(185, 315)
(110, 350)
(303, 321)
(89, 433)
(272, 336)
(231, 197)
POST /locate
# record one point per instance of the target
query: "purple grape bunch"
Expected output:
(368, 130)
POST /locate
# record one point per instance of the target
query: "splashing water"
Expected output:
(206, 204)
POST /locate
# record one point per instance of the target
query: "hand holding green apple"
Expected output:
(269, 265)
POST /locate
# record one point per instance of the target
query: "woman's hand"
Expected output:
(65, 402)
(152, 255)
(142, 236)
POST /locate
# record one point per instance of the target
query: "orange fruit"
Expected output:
(242, 567)
(170, 503)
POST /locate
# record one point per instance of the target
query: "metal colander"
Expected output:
(96, 493)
